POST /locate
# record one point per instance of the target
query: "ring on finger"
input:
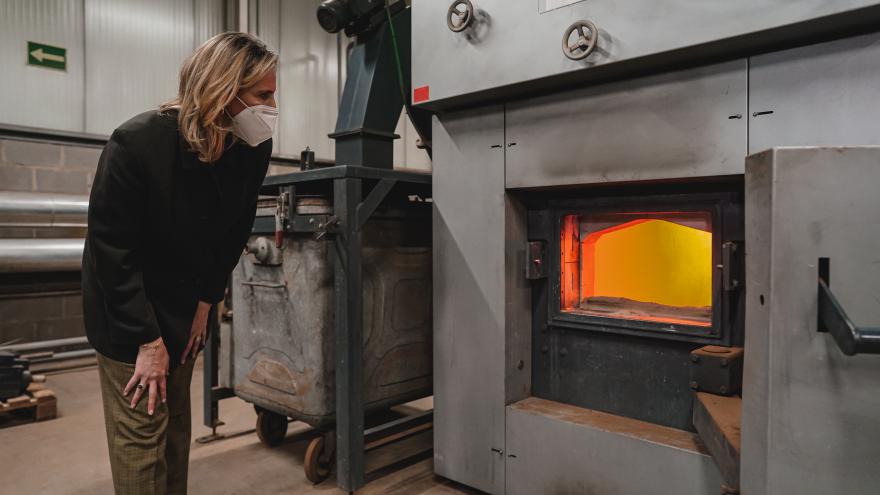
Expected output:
(140, 386)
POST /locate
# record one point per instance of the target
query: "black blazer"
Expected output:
(164, 231)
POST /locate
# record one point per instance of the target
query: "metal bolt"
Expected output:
(695, 385)
(695, 358)
(723, 389)
(724, 363)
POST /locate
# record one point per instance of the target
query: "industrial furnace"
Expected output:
(631, 295)
(632, 284)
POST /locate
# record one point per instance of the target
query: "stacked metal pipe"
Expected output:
(41, 210)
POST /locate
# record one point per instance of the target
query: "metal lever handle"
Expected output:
(850, 338)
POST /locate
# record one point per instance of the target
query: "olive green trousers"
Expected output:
(149, 455)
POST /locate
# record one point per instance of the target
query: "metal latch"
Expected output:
(282, 216)
(328, 227)
(732, 266)
(535, 269)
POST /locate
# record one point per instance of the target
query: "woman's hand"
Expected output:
(197, 332)
(150, 370)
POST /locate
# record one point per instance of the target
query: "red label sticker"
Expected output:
(422, 94)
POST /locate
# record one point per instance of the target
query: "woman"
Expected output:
(171, 208)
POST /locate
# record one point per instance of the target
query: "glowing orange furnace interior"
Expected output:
(654, 266)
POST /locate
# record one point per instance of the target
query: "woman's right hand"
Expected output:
(150, 371)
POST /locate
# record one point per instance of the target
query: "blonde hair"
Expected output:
(209, 80)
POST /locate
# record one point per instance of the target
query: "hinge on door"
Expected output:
(535, 269)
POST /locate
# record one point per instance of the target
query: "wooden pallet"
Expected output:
(37, 404)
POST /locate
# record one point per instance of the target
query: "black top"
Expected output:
(164, 231)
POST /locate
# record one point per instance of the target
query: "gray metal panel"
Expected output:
(810, 412)
(552, 448)
(210, 16)
(823, 94)
(518, 307)
(521, 44)
(307, 94)
(265, 18)
(283, 334)
(406, 155)
(37, 96)
(667, 126)
(135, 48)
(469, 303)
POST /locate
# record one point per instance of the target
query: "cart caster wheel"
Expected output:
(316, 467)
(271, 428)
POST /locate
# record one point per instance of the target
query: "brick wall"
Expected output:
(27, 165)
(41, 318)
(47, 167)
(44, 167)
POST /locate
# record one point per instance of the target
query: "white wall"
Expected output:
(124, 57)
(311, 78)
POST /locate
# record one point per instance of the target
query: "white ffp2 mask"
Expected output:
(256, 124)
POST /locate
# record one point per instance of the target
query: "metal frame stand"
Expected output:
(212, 392)
(351, 211)
(349, 334)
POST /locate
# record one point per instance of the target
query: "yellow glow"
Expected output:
(650, 261)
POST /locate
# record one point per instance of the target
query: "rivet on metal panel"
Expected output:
(695, 358)
(695, 385)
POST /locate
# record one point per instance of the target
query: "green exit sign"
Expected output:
(53, 57)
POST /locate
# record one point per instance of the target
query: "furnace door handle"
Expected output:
(458, 19)
(851, 339)
(581, 46)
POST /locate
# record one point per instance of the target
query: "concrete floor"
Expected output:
(68, 455)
